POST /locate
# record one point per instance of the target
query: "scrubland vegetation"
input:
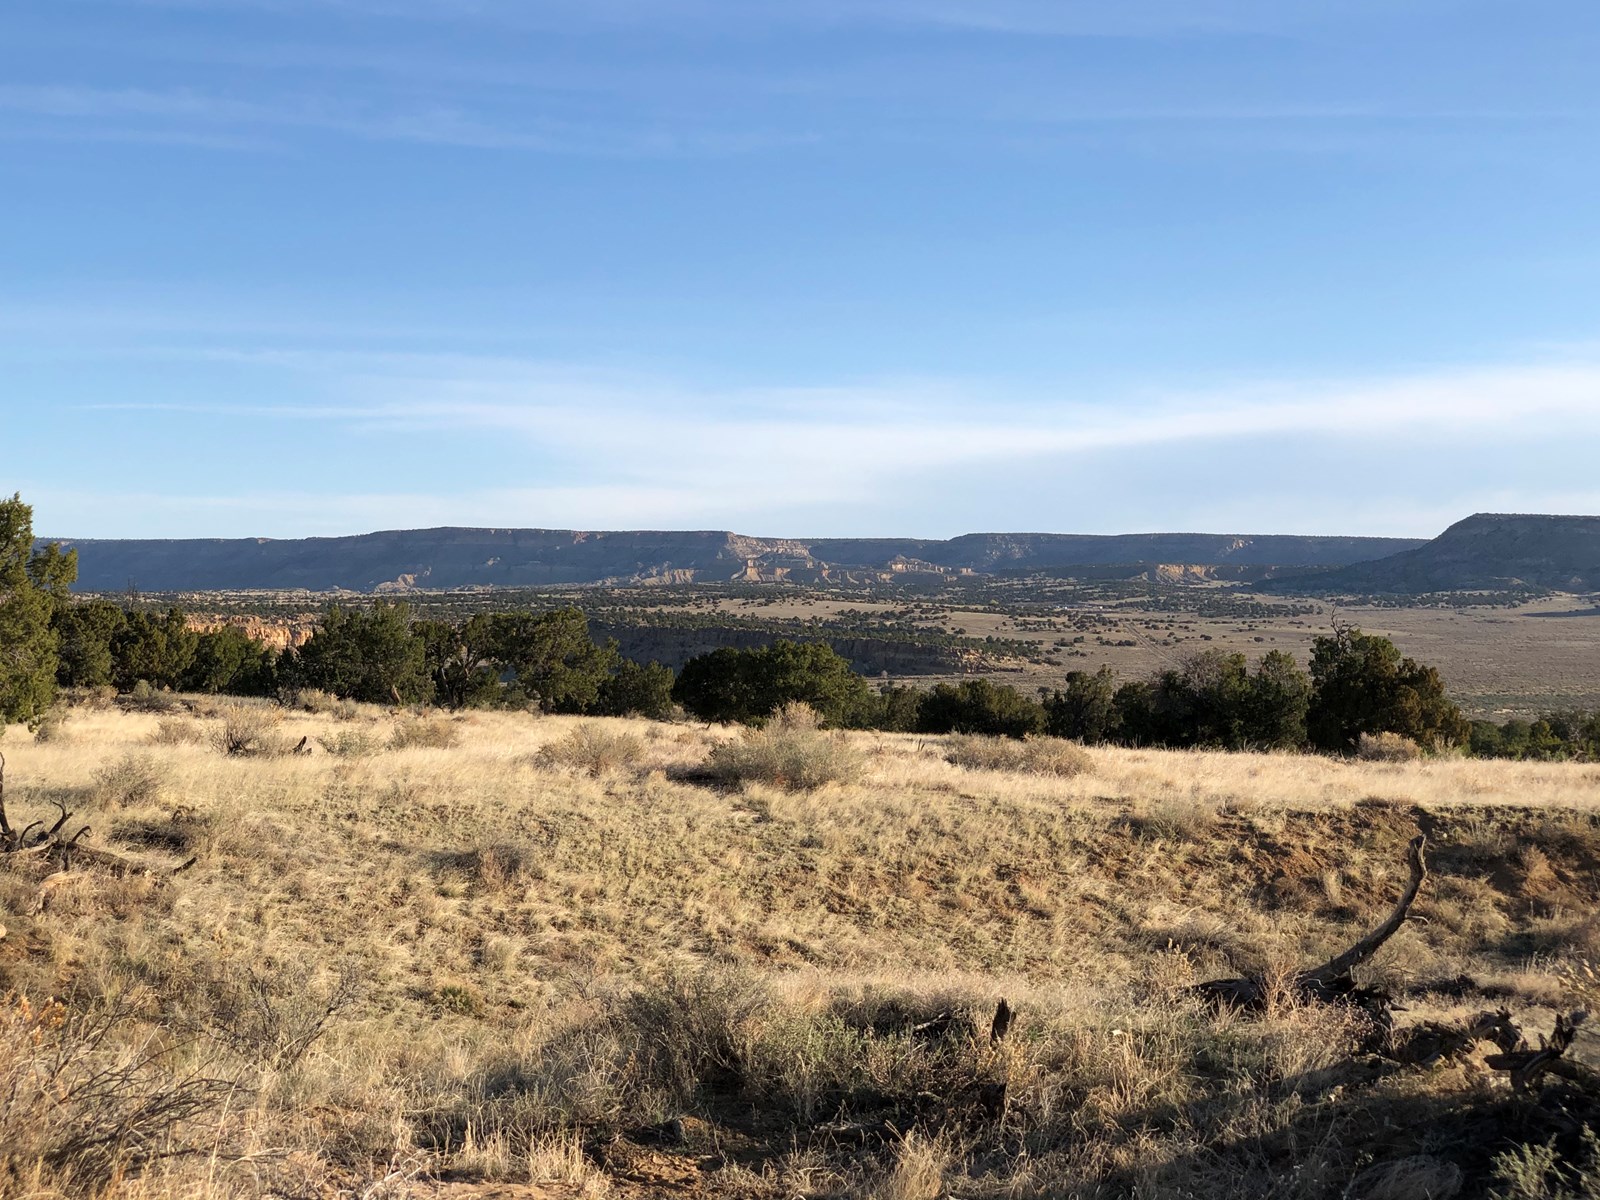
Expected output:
(419, 953)
(274, 925)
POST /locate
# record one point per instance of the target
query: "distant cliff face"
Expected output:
(280, 635)
(400, 560)
(1044, 551)
(1485, 551)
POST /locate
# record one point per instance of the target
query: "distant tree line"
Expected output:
(377, 654)
(103, 644)
(1358, 684)
(1552, 737)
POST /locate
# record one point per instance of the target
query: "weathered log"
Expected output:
(1576, 1072)
(1429, 1042)
(13, 842)
(60, 821)
(1499, 1028)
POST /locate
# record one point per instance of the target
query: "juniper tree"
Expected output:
(372, 655)
(33, 583)
(1362, 684)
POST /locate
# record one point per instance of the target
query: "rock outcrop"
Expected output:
(280, 635)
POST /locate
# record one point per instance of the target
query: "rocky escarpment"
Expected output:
(280, 635)
(401, 560)
(1487, 551)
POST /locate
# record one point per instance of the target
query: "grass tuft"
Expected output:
(594, 749)
(351, 743)
(424, 733)
(52, 727)
(177, 731)
(321, 703)
(132, 781)
(1388, 748)
(251, 732)
(783, 756)
(1032, 756)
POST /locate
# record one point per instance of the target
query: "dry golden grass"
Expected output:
(1387, 747)
(406, 959)
(426, 733)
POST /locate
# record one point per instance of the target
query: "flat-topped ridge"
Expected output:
(452, 556)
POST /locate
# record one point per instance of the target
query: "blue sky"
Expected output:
(290, 267)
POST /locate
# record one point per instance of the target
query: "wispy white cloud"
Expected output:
(78, 112)
(638, 451)
(673, 103)
(521, 395)
(198, 119)
(55, 100)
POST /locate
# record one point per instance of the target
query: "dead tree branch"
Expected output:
(1331, 980)
(67, 851)
(1526, 1066)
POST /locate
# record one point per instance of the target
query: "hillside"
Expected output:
(509, 956)
(456, 557)
(1487, 550)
